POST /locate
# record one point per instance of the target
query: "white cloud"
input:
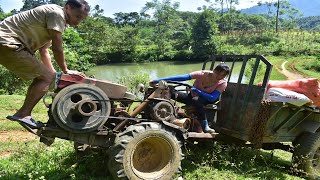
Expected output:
(8, 5)
(249, 3)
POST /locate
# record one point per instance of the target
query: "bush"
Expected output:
(11, 84)
(133, 80)
(263, 39)
(314, 65)
(183, 55)
(145, 53)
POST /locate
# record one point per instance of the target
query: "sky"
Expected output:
(114, 6)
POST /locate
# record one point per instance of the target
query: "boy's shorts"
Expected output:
(21, 62)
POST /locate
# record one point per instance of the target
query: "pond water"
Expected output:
(155, 70)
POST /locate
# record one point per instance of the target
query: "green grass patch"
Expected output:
(275, 73)
(294, 64)
(34, 160)
(276, 62)
(214, 161)
(10, 104)
(300, 64)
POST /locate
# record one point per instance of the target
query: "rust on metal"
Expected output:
(202, 135)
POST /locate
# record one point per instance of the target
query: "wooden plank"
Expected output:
(202, 135)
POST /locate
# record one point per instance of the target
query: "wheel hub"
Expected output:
(151, 157)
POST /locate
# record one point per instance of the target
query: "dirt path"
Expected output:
(288, 74)
(16, 136)
(12, 137)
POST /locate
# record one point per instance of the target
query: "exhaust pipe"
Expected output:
(184, 123)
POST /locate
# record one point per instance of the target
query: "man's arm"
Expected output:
(45, 57)
(57, 49)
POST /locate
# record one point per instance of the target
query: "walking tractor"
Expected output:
(145, 142)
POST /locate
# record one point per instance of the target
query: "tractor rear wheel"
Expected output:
(145, 151)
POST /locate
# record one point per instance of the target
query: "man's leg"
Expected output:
(36, 91)
(27, 67)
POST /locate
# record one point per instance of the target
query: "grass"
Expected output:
(294, 64)
(33, 160)
(211, 161)
(269, 43)
(276, 62)
(299, 64)
(11, 103)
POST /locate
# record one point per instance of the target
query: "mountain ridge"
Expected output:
(310, 8)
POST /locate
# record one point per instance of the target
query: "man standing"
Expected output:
(23, 34)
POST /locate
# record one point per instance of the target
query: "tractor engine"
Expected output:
(161, 107)
(82, 105)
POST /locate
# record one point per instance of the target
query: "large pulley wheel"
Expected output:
(162, 111)
(81, 108)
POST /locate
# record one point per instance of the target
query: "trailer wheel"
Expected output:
(145, 151)
(306, 155)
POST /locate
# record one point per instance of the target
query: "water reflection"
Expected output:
(155, 70)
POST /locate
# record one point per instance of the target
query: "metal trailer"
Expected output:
(245, 117)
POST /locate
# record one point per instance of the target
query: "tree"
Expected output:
(58, 2)
(167, 23)
(227, 17)
(221, 2)
(2, 14)
(131, 19)
(258, 21)
(96, 33)
(292, 15)
(76, 53)
(183, 35)
(106, 42)
(29, 4)
(203, 32)
(97, 12)
(246, 22)
(283, 8)
(277, 15)
(123, 44)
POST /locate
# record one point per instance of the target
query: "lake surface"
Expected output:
(155, 70)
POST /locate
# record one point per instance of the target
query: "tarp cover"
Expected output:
(307, 86)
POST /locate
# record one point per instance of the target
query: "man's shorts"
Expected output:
(21, 62)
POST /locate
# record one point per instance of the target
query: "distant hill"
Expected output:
(310, 23)
(306, 7)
